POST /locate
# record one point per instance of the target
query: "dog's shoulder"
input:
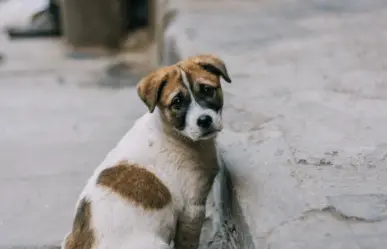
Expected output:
(136, 145)
(127, 171)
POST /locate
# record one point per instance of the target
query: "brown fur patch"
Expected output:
(166, 80)
(212, 64)
(82, 235)
(159, 88)
(136, 184)
(206, 68)
(174, 84)
(197, 74)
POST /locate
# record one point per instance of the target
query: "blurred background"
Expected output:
(305, 117)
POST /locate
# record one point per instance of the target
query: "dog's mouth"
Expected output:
(208, 134)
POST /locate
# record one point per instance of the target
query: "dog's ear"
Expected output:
(149, 89)
(212, 64)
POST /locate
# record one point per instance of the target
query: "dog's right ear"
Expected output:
(149, 89)
(212, 64)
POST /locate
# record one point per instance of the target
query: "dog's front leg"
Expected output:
(189, 227)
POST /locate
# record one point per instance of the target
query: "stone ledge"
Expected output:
(304, 152)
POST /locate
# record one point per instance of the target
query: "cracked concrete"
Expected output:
(305, 116)
(304, 139)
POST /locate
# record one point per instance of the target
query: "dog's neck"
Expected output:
(174, 135)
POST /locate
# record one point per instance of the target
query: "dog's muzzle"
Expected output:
(207, 127)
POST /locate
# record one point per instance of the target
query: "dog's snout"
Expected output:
(204, 121)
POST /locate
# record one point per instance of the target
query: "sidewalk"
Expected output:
(305, 122)
(59, 118)
(306, 115)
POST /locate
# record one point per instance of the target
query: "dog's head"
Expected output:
(188, 95)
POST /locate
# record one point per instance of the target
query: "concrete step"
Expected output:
(304, 139)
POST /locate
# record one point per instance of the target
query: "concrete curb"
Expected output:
(229, 228)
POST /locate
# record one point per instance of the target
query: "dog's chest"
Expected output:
(188, 172)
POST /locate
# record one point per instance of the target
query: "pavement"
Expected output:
(61, 113)
(305, 137)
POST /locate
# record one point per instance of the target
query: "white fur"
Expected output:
(191, 129)
(186, 170)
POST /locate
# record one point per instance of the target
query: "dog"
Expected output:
(150, 190)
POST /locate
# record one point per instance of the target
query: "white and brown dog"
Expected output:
(151, 188)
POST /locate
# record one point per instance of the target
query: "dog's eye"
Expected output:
(207, 90)
(177, 102)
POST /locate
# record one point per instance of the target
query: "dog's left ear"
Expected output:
(149, 89)
(212, 64)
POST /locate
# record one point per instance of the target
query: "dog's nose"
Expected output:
(204, 121)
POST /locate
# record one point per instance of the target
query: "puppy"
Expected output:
(151, 188)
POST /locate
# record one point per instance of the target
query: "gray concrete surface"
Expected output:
(305, 138)
(53, 135)
(305, 123)
(59, 118)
